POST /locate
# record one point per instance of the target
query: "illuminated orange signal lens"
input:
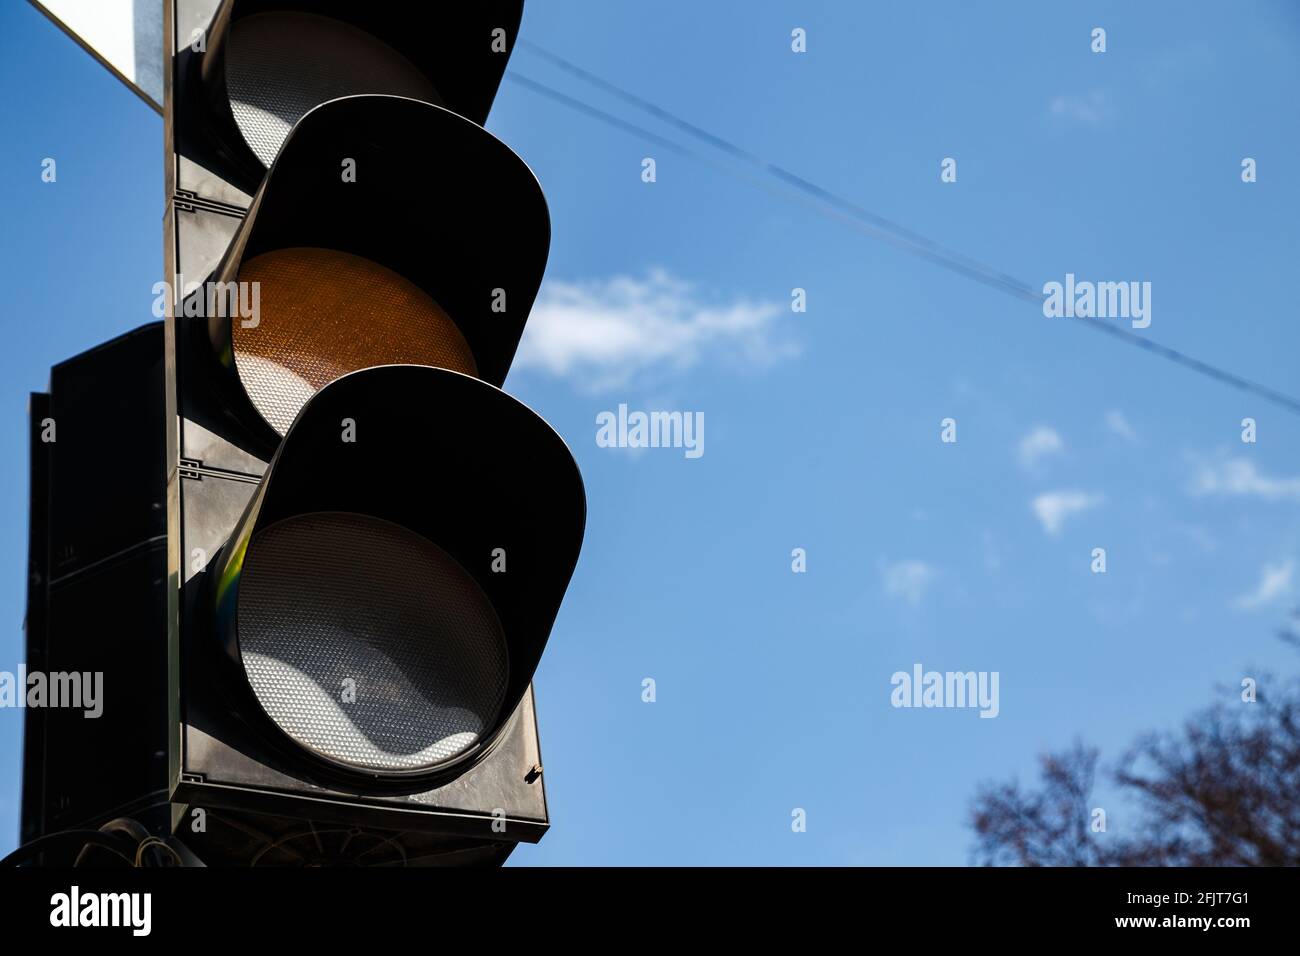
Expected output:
(322, 314)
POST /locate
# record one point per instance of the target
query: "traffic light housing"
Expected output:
(97, 590)
(368, 540)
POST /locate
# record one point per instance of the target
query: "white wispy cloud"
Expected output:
(1041, 442)
(908, 580)
(1091, 110)
(1053, 507)
(604, 333)
(1239, 477)
(1274, 582)
(1119, 425)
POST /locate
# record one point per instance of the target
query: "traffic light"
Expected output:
(368, 541)
(97, 592)
(372, 539)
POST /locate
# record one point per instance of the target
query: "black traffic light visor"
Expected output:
(266, 62)
(420, 191)
(442, 456)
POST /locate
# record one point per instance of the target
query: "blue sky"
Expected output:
(823, 427)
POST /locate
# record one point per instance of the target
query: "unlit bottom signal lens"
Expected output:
(368, 644)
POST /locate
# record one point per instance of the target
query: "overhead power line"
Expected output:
(838, 207)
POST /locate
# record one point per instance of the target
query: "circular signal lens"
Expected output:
(322, 314)
(367, 643)
(279, 66)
